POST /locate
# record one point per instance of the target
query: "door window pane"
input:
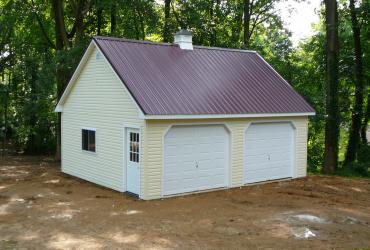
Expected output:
(134, 147)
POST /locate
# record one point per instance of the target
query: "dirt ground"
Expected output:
(42, 208)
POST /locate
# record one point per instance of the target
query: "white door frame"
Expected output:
(185, 124)
(294, 161)
(126, 127)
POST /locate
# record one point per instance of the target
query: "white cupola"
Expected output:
(184, 39)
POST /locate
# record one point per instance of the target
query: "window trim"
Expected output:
(96, 148)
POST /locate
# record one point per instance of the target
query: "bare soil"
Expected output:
(40, 207)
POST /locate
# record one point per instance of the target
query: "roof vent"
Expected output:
(184, 39)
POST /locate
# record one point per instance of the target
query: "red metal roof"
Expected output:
(166, 80)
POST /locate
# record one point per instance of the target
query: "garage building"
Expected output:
(157, 119)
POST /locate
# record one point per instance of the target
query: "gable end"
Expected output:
(78, 71)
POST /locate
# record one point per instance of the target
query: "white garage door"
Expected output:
(268, 152)
(195, 158)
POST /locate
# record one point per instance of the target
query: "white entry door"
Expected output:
(133, 161)
(195, 158)
(269, 152)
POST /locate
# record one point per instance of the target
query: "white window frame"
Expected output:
(96, 148)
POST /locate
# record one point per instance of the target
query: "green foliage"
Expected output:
(309, 81)
(29, 64)
(364, 154)
(360, 168)
(356, 169)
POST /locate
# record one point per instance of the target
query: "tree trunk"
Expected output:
(235, 36)
(166, 27)
(332, 82)
(365, 121)
(113, 22)
(136, 23)
(31, 144)
(142, 24)
(247, 19)
(99, 16)
(61, 37)
(6, 107)
(60, 42)
(354, 136)
(215, 15)
(79, 21)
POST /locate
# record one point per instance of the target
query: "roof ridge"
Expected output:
(225, 49)
(120, 39)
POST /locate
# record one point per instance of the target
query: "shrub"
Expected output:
(363, 154)
(356, 169)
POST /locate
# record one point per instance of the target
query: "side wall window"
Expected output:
(88, 140)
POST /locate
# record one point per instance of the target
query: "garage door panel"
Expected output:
(267, 158)
(266, 155)
(207, 172)
(268, 152)
(267, 172)
(269, 129)
(281, 157)
(266, 166)
(285, 168)
(262, 143)
(204, 183)
(185, 176)
(219, 147)
(214, 179)
(197, 162)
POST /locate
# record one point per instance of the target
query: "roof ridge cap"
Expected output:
(225, 49)
(121, 39)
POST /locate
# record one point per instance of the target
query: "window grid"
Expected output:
(134, 147)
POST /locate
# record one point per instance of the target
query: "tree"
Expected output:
(166, 26)
(354, 136)
(332, 82)
(366, 37)
(113, 19)
(255, 13)
(247, 18)
(365, 121)
(62, 40)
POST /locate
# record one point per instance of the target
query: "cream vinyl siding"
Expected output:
(98, 100)
(156, 129)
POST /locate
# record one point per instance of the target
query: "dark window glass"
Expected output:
(88, 140)
(85, 139)
(92, 141)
